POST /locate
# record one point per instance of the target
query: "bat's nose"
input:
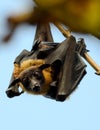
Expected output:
(36, 87)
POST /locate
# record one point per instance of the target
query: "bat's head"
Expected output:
(31, 80)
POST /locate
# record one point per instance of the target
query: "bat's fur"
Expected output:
(49, 69)
(18, 68)
(30, 65)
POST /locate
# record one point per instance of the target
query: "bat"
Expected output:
(51, 69)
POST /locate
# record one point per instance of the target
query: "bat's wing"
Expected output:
(71, 66)
(13, 90)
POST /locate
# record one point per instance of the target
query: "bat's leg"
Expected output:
(43, 32)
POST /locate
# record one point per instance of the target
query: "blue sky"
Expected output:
(80, 112)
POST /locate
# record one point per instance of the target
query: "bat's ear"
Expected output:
(13, 90)
(44, 66)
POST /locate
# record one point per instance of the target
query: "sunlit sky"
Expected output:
(27, 112)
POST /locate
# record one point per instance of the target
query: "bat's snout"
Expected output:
(36, 87)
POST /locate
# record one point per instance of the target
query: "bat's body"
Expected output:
(50, 69)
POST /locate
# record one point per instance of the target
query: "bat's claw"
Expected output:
(10, 93)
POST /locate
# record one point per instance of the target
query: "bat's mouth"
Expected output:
(36, 89)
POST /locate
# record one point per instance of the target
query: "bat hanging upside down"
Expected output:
(50, 69)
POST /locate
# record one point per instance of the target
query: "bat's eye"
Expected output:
(37, 75)
(25, 81)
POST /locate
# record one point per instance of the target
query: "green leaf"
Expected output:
(79, 15)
